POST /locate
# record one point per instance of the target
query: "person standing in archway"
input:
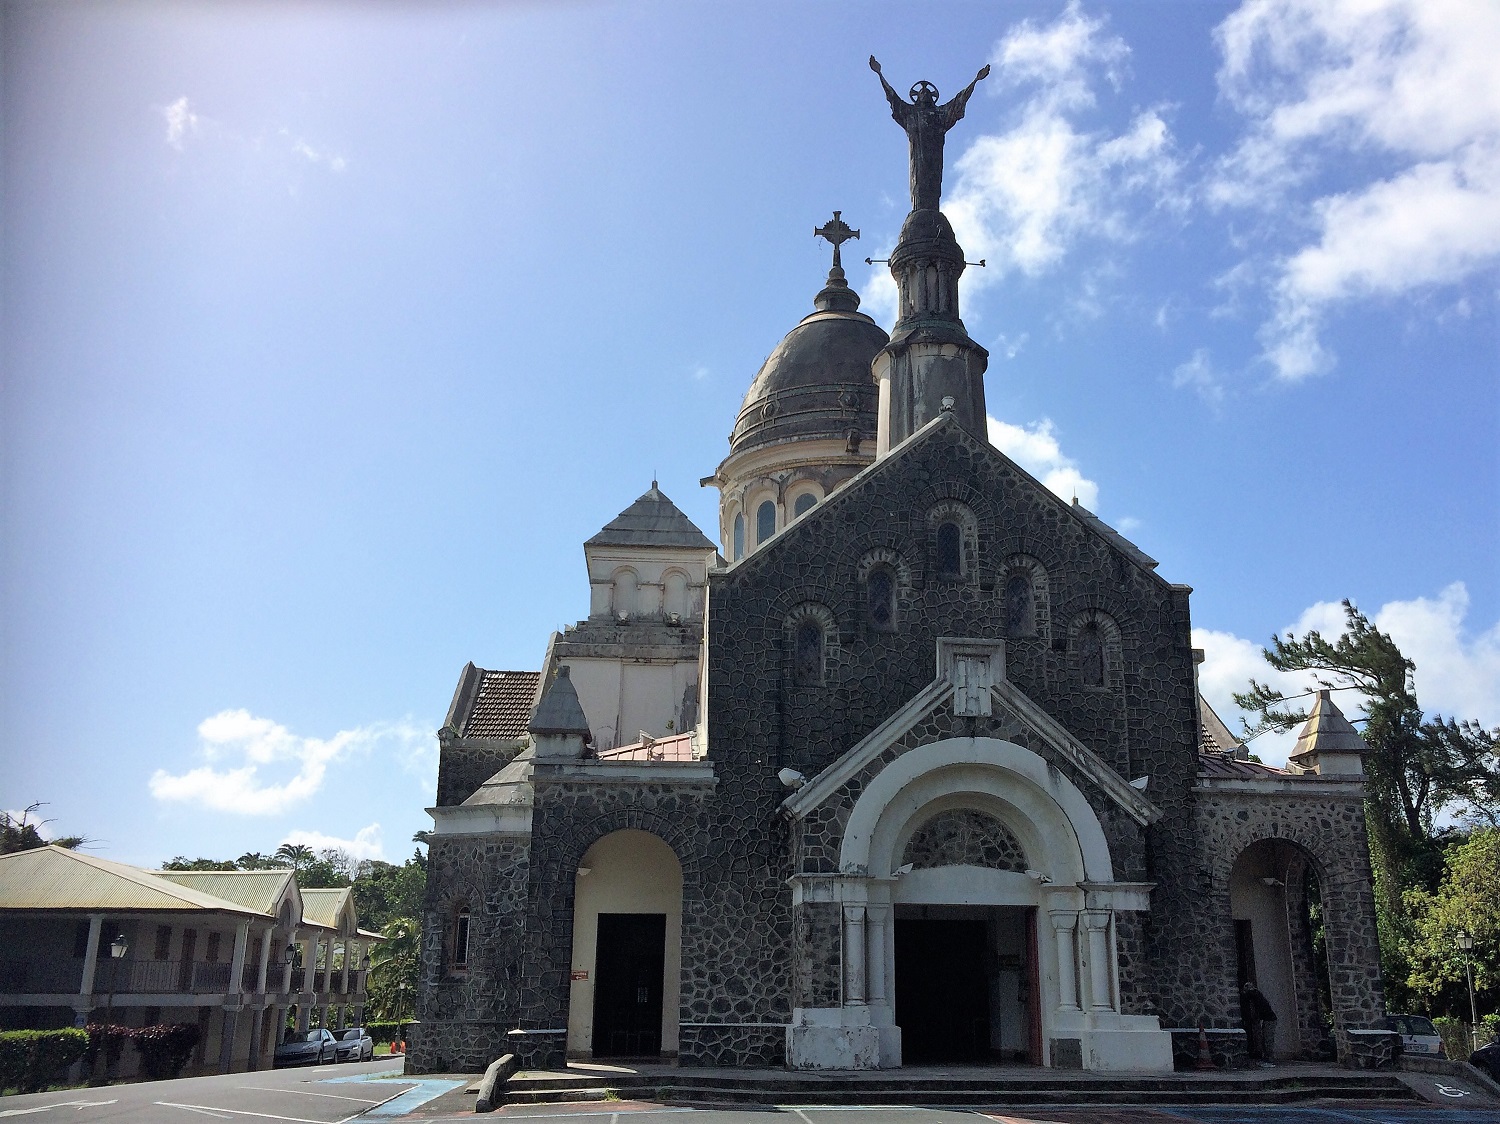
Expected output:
(1260, 1022)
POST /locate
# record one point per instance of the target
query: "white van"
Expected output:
(1418, 1035)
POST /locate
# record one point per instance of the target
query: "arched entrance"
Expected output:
(973, 869)
(1274, 894)
(627, 949)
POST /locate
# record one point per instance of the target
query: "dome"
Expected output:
(817, 381)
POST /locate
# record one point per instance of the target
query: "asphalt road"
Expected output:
(376, 1092)
(326, 1094)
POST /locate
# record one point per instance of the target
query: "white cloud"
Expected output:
(1199, 376)
(1023, 198)
(332, 161)
(1012, 347)
(1035, 449)
(366, 844)
(1457, 673)
(257, 754)
(1409, 88)
(181, 121)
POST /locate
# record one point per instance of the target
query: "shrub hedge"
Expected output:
(30, 1060)
(385, 1033)
(165, 1049)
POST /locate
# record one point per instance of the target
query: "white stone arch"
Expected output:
(796, 491)
(1050, 816)
(624, 592)
(677, 599)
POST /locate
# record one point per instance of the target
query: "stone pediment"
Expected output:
(971, 681)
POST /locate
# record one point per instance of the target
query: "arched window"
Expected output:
(765, 521)
(622, 597)
(950, 553)
(807, 660)
(880, 599)
(804, 504)
(1020, 605)
(1091, 655)
(676, 590)
(461, 939)
(739, 536)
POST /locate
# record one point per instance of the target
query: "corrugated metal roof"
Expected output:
(502, 705)
(259, 890)
(57, 878)
(322, 907)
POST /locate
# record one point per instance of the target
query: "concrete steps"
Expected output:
(769, 1088)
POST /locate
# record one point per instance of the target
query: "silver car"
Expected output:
(354, 1044)
(306, 1047)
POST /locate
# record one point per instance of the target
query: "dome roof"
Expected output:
(817, 381)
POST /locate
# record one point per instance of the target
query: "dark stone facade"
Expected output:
(749, 958)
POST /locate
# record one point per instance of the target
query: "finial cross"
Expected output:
(837, 231)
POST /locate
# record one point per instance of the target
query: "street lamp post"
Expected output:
(1466, 943)
(117, 949)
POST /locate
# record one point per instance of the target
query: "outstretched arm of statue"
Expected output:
(953, 112)
(899, 105)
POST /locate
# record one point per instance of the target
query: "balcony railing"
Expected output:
(163, 977)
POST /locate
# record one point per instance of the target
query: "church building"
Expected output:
(907, 766)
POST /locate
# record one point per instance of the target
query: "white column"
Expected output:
(237, 961)
(1101, 994)
(265, 962)
(327, 964)
(875, 932)
(344, 987)
(854, 955)
(1064, 922)
(91, 955)
(286, 972)
(309, 965)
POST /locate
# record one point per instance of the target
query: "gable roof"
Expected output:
(323, 906)
(947, 425)
(653, 520)
(259, 890)
(57, 878)
(492, 704)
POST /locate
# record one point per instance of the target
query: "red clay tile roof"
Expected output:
(677, 748)
(502, 705)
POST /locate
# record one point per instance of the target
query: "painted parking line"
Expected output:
(311, 1093)
(230, 1113)
(50, 1107)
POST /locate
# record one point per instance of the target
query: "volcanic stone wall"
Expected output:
(1199, 980)
(1143, 720)
(463, 1016)
(466, 763)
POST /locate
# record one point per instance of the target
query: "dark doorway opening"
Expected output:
(629, 961)
(965, 982)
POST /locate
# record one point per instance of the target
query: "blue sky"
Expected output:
(331, 331)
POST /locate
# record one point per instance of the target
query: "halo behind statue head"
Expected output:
(924, 90)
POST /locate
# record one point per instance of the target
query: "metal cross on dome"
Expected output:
(837, 231)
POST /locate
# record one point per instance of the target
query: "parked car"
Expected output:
(306, 1047)
(1487, 1058)
(1418, 1035)
(354, 1045)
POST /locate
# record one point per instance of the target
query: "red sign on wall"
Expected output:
(580, 975)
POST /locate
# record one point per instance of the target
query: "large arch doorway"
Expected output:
(627, 949)
(1274, 901)
(965, 984)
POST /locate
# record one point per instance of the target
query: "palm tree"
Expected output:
(300, 855)
(395, 963)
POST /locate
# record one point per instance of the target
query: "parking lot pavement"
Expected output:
(321, 1095)
(636, 1112)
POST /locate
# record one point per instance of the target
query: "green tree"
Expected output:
(181, 863)
(1467, 900)
(394, 971)
(384, 891)
(1415, 767)
(295, 855)
(25, 835)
